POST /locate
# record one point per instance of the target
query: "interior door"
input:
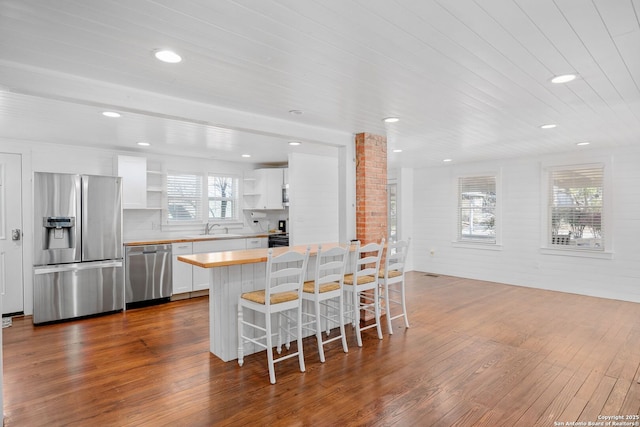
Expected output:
(11, 280)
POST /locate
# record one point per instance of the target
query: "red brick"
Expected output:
(371, 187)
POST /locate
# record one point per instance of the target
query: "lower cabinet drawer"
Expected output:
(257, 243)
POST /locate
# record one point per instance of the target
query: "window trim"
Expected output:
(199, 218)
(607, 180)
(235, 199)
(495, 245)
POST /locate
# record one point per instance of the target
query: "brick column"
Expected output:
(371, 193)
(371, 187)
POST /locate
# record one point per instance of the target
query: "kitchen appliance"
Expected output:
(277, 240)
(148, 274)
(282, 225)
(78, 268)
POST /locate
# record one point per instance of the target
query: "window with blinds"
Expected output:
(477, 209)
(576, 208)
(222, 197)
(184, 197)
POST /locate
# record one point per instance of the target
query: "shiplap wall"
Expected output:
(520, 260)
(313, 189)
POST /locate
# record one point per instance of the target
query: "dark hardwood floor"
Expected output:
(477, 353)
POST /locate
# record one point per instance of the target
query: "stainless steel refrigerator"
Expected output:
(78, 266)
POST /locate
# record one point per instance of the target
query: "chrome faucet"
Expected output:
(208, 227)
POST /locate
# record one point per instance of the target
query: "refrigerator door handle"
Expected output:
(76, 266)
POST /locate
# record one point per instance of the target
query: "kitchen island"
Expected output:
(231, 274)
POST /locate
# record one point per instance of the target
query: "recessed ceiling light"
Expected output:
(296, 112)
(167, 56)
(397, 150)
(548, 126)
(246, 155)
(110, 114)
(295, 142)
(391, 119)
(447, 160)
(143, 144)
(563, 78)
(583, 143)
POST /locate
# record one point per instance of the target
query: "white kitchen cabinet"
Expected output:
(201, 275)
(250, 192)
(133, 171)
(155, 185)
(257, 243)
(182, 274)
(269, 188)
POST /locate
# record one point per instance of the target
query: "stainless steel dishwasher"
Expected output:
(147, 273)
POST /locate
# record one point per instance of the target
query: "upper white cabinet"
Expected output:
(155, 185)
(268, 188)
(142, 183)
(133, 171)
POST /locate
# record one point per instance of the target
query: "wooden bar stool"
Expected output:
(283, 292)
(326, 292)
(392, 281)
(364, 277)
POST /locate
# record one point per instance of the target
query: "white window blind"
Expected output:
(576, 208)
(477, 209)
(222, 197)
(184, 197)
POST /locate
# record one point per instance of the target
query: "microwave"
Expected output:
(285, 195)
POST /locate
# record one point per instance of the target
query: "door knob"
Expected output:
(15, 234)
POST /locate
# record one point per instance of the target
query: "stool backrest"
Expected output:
(285, 272)
(396, 256)
(367, 259)
(330, 266)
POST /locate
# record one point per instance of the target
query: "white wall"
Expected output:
(520, 261)
(404, 178)
(313, 189)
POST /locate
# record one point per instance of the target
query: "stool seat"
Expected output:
(348, 279)
(260, 297)
(392, 273)
(309, 287)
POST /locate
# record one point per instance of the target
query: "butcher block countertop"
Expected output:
(247, 256)
(198, 238)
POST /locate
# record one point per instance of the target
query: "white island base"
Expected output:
(225, 286)
(231, 274)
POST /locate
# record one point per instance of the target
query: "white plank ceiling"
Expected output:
(469, 80)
